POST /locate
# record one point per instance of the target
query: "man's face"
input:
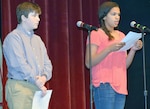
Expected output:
(32, 21)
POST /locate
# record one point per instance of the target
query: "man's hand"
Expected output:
(43, 89)
(40, 81)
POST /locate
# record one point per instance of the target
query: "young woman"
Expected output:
(109, 65)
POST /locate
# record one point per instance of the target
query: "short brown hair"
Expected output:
(25, 8)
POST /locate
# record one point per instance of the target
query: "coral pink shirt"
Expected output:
(112, 69)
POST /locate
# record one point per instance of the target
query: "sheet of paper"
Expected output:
(130, 40)
(40, 102)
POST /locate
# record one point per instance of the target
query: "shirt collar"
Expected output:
(20, 27)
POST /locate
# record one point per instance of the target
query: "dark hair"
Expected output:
(102, 12)
(25, 8)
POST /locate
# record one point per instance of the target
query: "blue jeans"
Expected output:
(106, 98)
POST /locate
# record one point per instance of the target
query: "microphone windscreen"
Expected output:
(132, 24)
(79, 23)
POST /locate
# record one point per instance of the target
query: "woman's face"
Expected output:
(112, 18)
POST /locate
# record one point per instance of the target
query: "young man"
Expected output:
(29, 66)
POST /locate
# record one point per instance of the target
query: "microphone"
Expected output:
(86, 26)
(139, 26)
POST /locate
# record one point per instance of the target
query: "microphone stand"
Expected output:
(90, 28)
(144, 73)
(90, 67)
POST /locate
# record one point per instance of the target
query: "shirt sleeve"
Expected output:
(47, 63)
(96, 37)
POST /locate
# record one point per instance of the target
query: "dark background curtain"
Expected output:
(65, 44)
(66, 47)
(138, 11)
(1, 86)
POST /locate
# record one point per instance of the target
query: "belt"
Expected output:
(20, 80)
